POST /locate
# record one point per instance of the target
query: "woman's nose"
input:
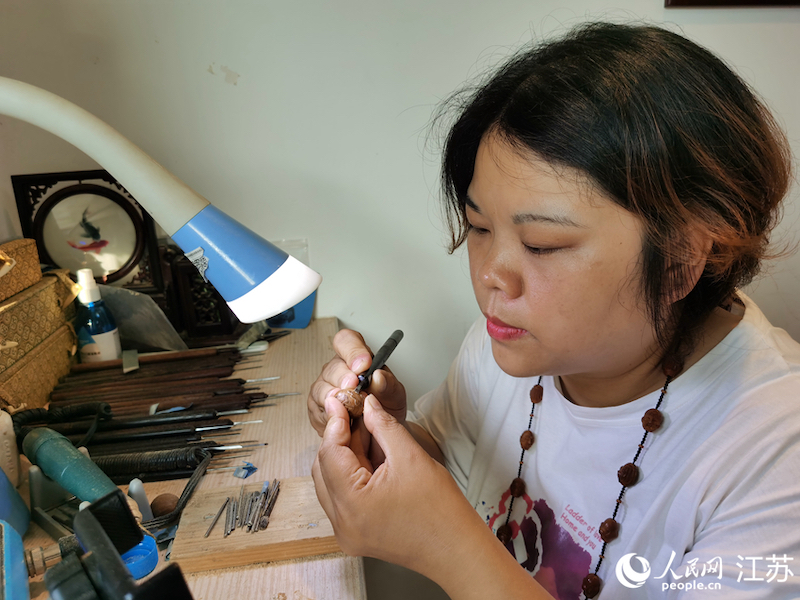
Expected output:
(498, 271)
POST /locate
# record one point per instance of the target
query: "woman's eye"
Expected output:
(540, 251)
(477, 230)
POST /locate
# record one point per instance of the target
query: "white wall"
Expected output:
(309, 119)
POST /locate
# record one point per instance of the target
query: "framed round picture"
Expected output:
(90, 226)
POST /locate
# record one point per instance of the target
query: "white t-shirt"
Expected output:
(716, 512)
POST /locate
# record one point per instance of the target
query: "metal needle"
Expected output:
(240, 506)
(228, 517)
(216, 518)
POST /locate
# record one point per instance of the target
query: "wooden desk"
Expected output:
(291, 449)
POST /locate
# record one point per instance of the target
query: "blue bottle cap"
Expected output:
(142, 558)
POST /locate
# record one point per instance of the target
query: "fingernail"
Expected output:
(329, 407)
(339, 426)
(378, 383)
(359, 365)
(373, 402)
(349, 381)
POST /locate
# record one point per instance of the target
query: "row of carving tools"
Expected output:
(158, 421)
(168, 381)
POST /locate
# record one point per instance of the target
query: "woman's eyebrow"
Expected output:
(471, 204)
(520, 218)
(563, 220)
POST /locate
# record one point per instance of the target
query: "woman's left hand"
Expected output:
(405, 511)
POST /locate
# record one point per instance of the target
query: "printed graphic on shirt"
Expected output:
(543, 545)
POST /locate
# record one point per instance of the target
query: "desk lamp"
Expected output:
(256, 279)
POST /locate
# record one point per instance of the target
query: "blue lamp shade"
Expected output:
(257, 279)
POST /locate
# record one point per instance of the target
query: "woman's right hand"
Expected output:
(353, 357)
(409, 511)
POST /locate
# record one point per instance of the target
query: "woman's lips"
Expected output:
(502, 331)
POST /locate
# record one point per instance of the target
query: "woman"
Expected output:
(622, 422)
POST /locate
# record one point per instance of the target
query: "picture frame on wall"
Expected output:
(86, 219)
(729, 3)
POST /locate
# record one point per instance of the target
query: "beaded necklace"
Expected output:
(628, 474)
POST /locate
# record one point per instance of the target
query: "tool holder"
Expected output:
(105, 530)
(47, 501)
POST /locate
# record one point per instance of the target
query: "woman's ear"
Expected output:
(687, 266)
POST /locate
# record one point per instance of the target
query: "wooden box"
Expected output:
(25, 273)
(29, 381)
(29, 317)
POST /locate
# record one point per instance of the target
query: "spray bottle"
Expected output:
(98, 336)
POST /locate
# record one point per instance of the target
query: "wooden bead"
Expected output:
(672, 366)
(537, 392)
(163, 504)
(591, 585)
(652, 420)
(628, 474)
(517, 487)
(609, 530)
(526, 439)
(504, 533)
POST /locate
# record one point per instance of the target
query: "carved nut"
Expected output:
(526, 439)
(504, 534)
(672, 366)
(609, 530)
(353, 401)
(591, 585)
(652, 420)
(537, 392)
(628, 474)
(517, 487)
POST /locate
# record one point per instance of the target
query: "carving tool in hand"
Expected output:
(378, 362)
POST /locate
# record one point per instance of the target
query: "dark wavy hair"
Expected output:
(660, 125)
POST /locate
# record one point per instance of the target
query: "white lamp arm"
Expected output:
(146, 180)
(255, 278)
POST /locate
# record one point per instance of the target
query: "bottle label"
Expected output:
(100, 346)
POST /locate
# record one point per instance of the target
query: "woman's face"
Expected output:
(555, 268)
